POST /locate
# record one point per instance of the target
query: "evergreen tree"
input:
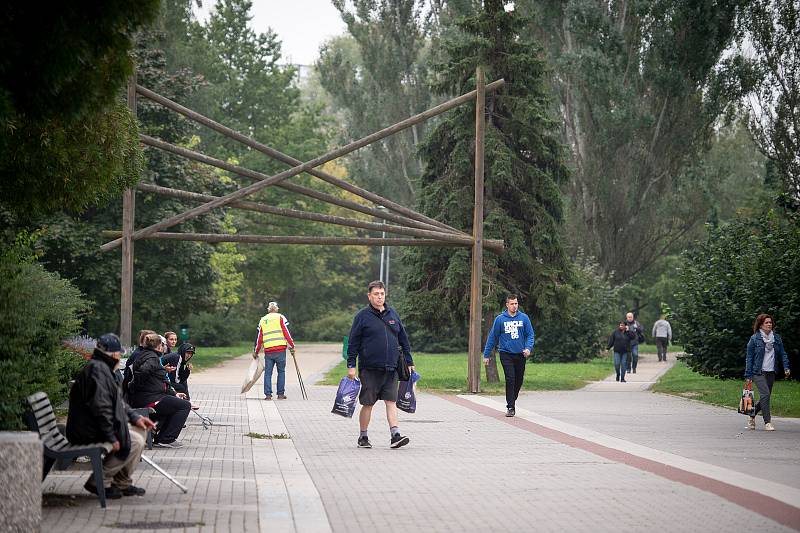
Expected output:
(523, 169)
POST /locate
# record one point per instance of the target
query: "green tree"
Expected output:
(639, 92)
(768, 63)
(172, 279)
(246, 88)
(744, 268)
(524, 167)
(65, 142)
(378, 76)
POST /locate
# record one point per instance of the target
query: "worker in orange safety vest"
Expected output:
(274, 337)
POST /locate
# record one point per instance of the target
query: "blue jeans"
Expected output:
(633, 360)
(270, 360)
(620, 363)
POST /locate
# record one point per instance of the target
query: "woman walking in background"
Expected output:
(763, 352)
(620, 341)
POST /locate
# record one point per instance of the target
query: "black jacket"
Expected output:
(621, 340)
(373, 344)
(97, 412)
(150, 382)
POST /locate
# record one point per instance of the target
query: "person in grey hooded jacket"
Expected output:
(662, 332)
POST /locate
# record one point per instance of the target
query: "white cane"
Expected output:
(164, 473)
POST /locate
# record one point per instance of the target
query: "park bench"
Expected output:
(56, 447)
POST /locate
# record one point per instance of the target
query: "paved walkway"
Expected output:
(604, 458)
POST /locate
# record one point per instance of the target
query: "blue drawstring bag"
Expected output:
(346, 396)
(406, 398)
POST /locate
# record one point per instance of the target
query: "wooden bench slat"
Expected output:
(48, 428)
(45, 420)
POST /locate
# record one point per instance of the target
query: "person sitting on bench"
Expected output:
(180, 361)
(150, 387)
(97, 413)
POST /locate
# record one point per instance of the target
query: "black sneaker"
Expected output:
(112, 493)
(133, 491)
(363, 442)
(398, 440)
(511, 412)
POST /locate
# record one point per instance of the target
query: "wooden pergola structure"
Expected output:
(415, 229)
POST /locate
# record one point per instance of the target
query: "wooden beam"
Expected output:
(476, 279)
(128, 216)
(257, 176)
(305, 215)
(321, 160)
(293, 239)
(275, 154)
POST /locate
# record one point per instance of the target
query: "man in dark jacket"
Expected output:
(150, 387)
(376, 340)
(97, 413)
(620, 341)
(638, 337)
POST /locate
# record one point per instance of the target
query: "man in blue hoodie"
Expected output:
(377, 339)
(512, 332)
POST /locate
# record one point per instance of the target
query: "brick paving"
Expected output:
(464, 470)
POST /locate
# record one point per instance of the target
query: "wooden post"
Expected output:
(128, 211)
(476, 281)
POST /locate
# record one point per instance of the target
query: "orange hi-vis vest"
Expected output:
(271, 331)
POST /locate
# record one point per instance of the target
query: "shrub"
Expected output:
(37, 310)
(218, 329)
(589, 319)
(331, 327)
(747, 267)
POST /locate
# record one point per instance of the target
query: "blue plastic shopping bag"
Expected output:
(346, 396)
(406, 398)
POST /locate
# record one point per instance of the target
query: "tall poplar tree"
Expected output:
(523, 169)
(639, 90)
(378, 76)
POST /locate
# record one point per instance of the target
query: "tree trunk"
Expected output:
(492, 375)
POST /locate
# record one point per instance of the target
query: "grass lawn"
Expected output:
(682, 381)
(209, 357)
(448, 373)
(651, 348)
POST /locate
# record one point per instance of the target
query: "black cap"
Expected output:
(109, 343)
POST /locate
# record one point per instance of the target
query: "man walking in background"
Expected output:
(274, 337)
(662, 332)
(636, 328)
(377, 341)
(513, 333)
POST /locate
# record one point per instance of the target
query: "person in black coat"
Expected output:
(150, 387)
(179, 378)
(97, 413)
(620, 340)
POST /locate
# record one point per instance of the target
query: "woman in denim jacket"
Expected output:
(763, 352)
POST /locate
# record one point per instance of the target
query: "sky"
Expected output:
(301, 25)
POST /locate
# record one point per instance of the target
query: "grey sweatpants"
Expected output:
(764, 383)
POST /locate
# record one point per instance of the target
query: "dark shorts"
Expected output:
(377, 385)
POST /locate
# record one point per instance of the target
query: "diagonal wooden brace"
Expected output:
(334, 154)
